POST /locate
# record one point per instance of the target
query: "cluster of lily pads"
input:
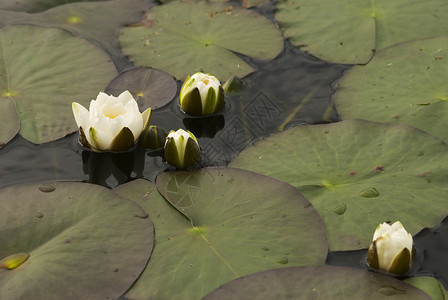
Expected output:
(262, 226)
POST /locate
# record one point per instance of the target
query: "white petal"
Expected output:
(101, 141)
(81, 115)
(126, 97)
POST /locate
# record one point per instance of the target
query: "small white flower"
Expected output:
(111, 123)
(201, 94)
(182, 149)
(391, 249)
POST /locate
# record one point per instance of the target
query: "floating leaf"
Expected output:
(324, 282)
(405, 84)
(182, 38)
(44, 87)
(350, 31)
(150, 87)
(375, 170)
(10, 120)
(83, 242)
(33, 6)
(237, 223)
(83, 19)
(430, 285)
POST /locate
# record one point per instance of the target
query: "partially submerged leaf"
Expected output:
(78, 241)
(225, 223)
(403, 84)
(44, 87)
(350, 31)
(182, 38)
(324, 282)
(336, 164)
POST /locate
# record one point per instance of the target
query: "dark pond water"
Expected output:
(295, 88)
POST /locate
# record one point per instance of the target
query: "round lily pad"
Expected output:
(43, 83)
(323, 282)
(405, 84)
(150, 87)
(83, 242)
(358, 174)
(350, 31)
(10, 120)
(221, 224)
(430, 285)
(182, 38)
(33, 6)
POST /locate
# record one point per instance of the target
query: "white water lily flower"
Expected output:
(182, 149)
(111, 123)
(201, 94)
(391, 249)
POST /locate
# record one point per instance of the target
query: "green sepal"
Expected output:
(191, 103)
(210, 102)
(93, 138)
(192, 153)
(146, 115)
(401, 262)
(123, 141)
(82, 138)
(372, 256)
(220, 101)
(171, 154)
(153, 137)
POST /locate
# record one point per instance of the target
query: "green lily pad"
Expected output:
(430, 285)
(228, 223)
(405, 84)
(83, 19)
(324, 282)
(350, 31)
(45, 86)
(358, 174)
(10, 120)
(182, 38)
(33, 6)
(83, 242)
(150, 87)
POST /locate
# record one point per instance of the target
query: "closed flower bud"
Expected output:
(182, 149)
(111, 123)
(201, 94)
(391, 249)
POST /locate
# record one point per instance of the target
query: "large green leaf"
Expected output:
(349, 31)
(358, 174)
(84, 242)
(182, 38)
(237, 223)
(45, 73)
(405, 84)
(10, 120)
(33, 6)
(83, 19)
(324, 282)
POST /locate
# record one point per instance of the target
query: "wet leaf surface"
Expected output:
(323, 282)
(83, 242)
(379, 172)
(403, 84)
(225, 223)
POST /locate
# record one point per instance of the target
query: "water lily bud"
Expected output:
(182, 149)
(391, 249)
(201, 94)
(111, 123)
(153, 137)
